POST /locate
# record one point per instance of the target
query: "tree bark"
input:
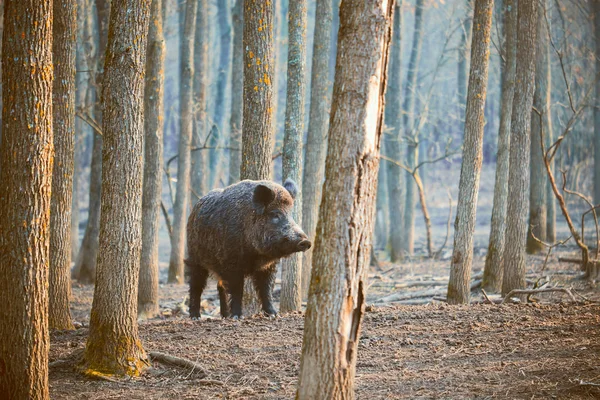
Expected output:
(463, 62)
(596, 11)
(291, 267)
(153, 161)
(518, 179)
(259, 106)
(459, 288)
(85, 265)
(27, 156)
(180, 208)
(541, 102)
(63, 97)
(343, 243)
(412, 149)
(113, 347)
(318, 122)
(237, 91)
(393, 119)
(494, 262)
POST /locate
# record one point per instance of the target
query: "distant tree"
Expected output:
(26, 155)
(85, 265)
(459, 287)
(237, 91)
(381, 232)
(596, 11)
(318, 122)
(541, 102)
(494, 261)
(63, 98)
(291, 272)
(518, 179)
(180, 207)
(113, 346)
(463, 60)
(259, 104)
(412, 154)
(337, 296)
(393, 120)
(153, 161)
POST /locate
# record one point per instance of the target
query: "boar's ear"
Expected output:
(291, 187)
(263, 196)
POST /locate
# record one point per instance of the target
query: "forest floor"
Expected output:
(545, 349)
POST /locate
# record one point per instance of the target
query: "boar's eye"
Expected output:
(275, 216)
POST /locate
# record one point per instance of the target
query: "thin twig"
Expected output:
(538, 291)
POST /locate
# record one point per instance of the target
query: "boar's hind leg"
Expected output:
(198, 277)
(263, 282)
(235, 284)
(224, 302)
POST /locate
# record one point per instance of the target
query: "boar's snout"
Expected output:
(304, 245)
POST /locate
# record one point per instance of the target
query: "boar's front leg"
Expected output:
(263, 282)
(198, 277)
(235, 284)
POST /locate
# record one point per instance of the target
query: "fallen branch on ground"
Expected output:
(515, 292)
(180, 362)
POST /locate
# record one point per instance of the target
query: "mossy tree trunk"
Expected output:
(459, 288)
(113, 347)
(336, 298)
(26, 156)
(63, 97)
(518, 178)
(153, 161)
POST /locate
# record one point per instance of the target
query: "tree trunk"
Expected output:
(393, 119)
(463, 63)
(176, 269)
(291, 272)
(199, 177)
(113, 347)
(25, 172)
(412, 149)
(518, 179)
(318, 122)
(259, 106)
(596, 10)
(153, 154)
(494, 262)
(85, 265)
(382, 216)
(343, 245)
(541, 102)
(63, 98)
(459, 287)
(237, 91)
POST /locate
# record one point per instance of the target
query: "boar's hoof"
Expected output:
(195, 318)
(237, 317)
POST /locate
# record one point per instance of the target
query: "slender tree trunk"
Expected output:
(153, 154)
(468, 187)
(412, 149)
(494, 262)
(85, 265)
(184, 163)
(518, 180)
(291, 272)
(596, 10)
(63, 98)
(394, 120)
(237, 91)
(343, 246)
(113, 346)
(1, 35)
(318, 122)
(200, 171)
(541, 102)
(259, 106)
(382, 215)
(27, 156)
(463, 62)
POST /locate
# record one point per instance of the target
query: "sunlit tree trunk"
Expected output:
(494, 262)
(259, 106)
(185, 138)
(412, 148)
(472, 157)
(541, 102)
(343, 244)
(63, 98)
(153, 161)
(316, 141)
(291, 272)
(518, 179)
(237, 91)
(27, 155)
(113, 346)
(393, 119)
